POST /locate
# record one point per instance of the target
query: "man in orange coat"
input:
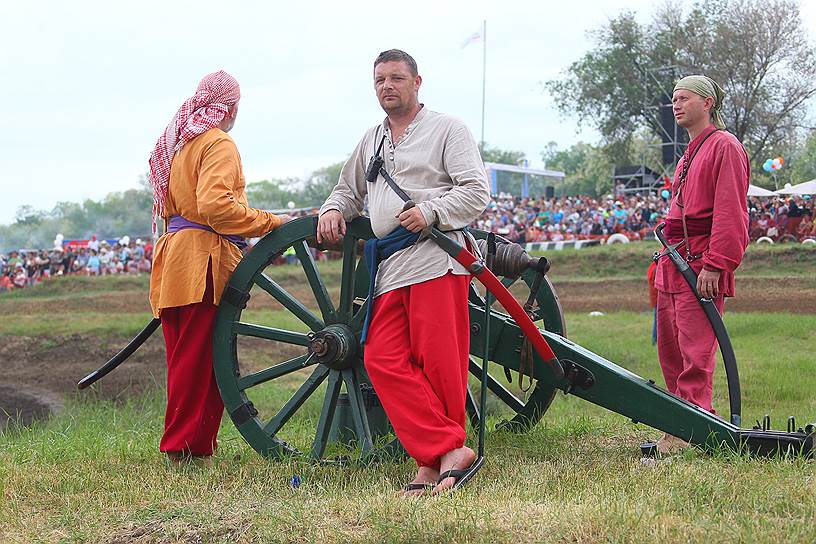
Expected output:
(709, 215)
(198, 188)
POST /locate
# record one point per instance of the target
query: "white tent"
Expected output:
(806, 188)
(753, 190)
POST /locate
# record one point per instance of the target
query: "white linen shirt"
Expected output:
(437, 163)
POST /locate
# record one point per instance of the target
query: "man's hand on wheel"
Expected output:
(284, 218)
(708, 283)
(330, 227)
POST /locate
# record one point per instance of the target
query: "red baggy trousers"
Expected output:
(687, 346)
(416, 355)
(194, 405)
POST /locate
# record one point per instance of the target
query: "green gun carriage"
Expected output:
(322, 346)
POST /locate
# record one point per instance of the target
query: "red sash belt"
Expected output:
(696, 227)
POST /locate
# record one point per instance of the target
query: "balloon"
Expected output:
(665, 193)
(781, 160)
(767, 165)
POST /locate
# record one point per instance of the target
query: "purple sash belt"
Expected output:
(178, 223)
(696, 227)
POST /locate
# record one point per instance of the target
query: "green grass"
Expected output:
(632, 260)
(93, 474)
(82, 286)
(112, 324)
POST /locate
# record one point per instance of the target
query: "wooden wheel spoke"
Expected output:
(271, 333)
(297, 400)
(349, 271)
(498, 389)
(321, 295)
(326, 415)
(358, 411)
(275, 372)
(289, 302)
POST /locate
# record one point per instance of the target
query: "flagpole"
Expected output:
(484, 77)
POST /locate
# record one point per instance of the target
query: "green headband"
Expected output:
(705, 87)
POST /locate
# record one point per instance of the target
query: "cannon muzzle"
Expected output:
(511, 260)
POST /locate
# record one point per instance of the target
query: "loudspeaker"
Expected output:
(673, 137)
(549, 191)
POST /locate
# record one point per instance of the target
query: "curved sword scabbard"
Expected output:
(120, 357)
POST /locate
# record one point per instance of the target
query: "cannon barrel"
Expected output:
(511, 260)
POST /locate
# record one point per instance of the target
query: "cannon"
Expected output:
(319, 344)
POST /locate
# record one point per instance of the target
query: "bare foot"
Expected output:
(460, 458)
(669, 444)
(425, 475)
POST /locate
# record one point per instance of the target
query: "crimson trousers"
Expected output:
(416, 355)
(687, 346)
(194, 405)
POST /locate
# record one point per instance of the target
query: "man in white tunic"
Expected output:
(417, 341)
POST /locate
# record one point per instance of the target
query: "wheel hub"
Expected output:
(335, 346)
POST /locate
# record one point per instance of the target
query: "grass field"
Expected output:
(93, 473)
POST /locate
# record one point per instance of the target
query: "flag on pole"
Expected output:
(473, 38)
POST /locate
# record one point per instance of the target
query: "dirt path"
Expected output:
(795, 295)
(39, 373)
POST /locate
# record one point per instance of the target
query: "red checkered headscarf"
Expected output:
(199, 113)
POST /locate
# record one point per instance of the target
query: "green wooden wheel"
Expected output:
(311, 313)
(282, 382)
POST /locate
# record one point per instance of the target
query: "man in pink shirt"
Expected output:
(709, 215)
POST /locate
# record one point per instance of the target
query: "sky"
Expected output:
(89, 86)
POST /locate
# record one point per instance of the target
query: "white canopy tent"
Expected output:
(806, 188)
(754, 190)
(493, 168)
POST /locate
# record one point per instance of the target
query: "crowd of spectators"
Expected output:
(571, 217)
(635, 216)
(782, 219)
(24, 268)
(519, 219)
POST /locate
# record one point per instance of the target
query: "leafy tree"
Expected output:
(758, 51)
(502, 156)
(319, 185)
(311, 192)
(801, 164)
(271, 194)
(588, 169)
(27, 216)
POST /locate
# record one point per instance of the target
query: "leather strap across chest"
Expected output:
(681, 184)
